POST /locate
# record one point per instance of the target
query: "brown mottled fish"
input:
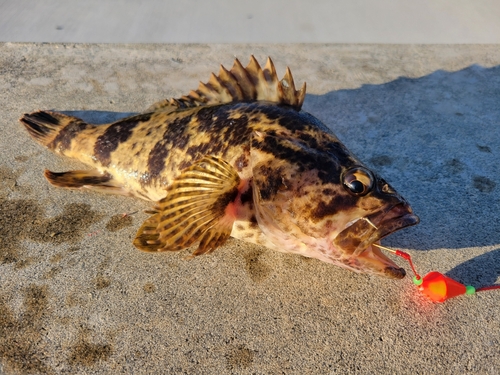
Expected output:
(237, 157)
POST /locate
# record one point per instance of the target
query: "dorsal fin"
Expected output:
(241, 84)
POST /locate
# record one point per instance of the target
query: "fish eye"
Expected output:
(358, 181)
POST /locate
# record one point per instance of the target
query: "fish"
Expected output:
(237, 157)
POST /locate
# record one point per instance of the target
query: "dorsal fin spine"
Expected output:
(255, 71)
(270, 71)
(244, 79)
(233, 86)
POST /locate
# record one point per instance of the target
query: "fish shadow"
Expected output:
(436, 140)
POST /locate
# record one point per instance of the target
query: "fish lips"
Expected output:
(356, 239)
(398, 217)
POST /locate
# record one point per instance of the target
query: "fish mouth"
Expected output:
(357, 239)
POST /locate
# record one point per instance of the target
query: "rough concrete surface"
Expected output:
(77, 298)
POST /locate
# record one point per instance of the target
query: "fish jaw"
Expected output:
(358, 237)
(372, 258)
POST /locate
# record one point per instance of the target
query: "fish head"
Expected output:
(323, 203)
(379, 211)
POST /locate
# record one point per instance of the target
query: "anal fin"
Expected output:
(92, 179)
(199, 207)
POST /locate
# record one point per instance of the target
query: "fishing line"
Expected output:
(435, 285)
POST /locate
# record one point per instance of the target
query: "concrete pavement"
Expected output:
(77, 298)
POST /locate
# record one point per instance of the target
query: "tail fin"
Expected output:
(52, 129)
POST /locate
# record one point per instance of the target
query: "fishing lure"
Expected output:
(436, 286)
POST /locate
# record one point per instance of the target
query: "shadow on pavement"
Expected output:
(480, 271)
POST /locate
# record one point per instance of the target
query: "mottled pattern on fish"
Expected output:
(236, 157)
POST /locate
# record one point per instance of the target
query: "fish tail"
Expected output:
(51, 128)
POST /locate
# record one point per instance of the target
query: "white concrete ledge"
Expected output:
(233, 21)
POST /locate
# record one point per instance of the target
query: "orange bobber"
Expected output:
(439, 287)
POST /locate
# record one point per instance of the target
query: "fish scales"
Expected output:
(237, 157)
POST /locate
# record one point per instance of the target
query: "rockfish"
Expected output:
(237, 157)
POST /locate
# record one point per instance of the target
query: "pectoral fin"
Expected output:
(92, 179)
(199, 207)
